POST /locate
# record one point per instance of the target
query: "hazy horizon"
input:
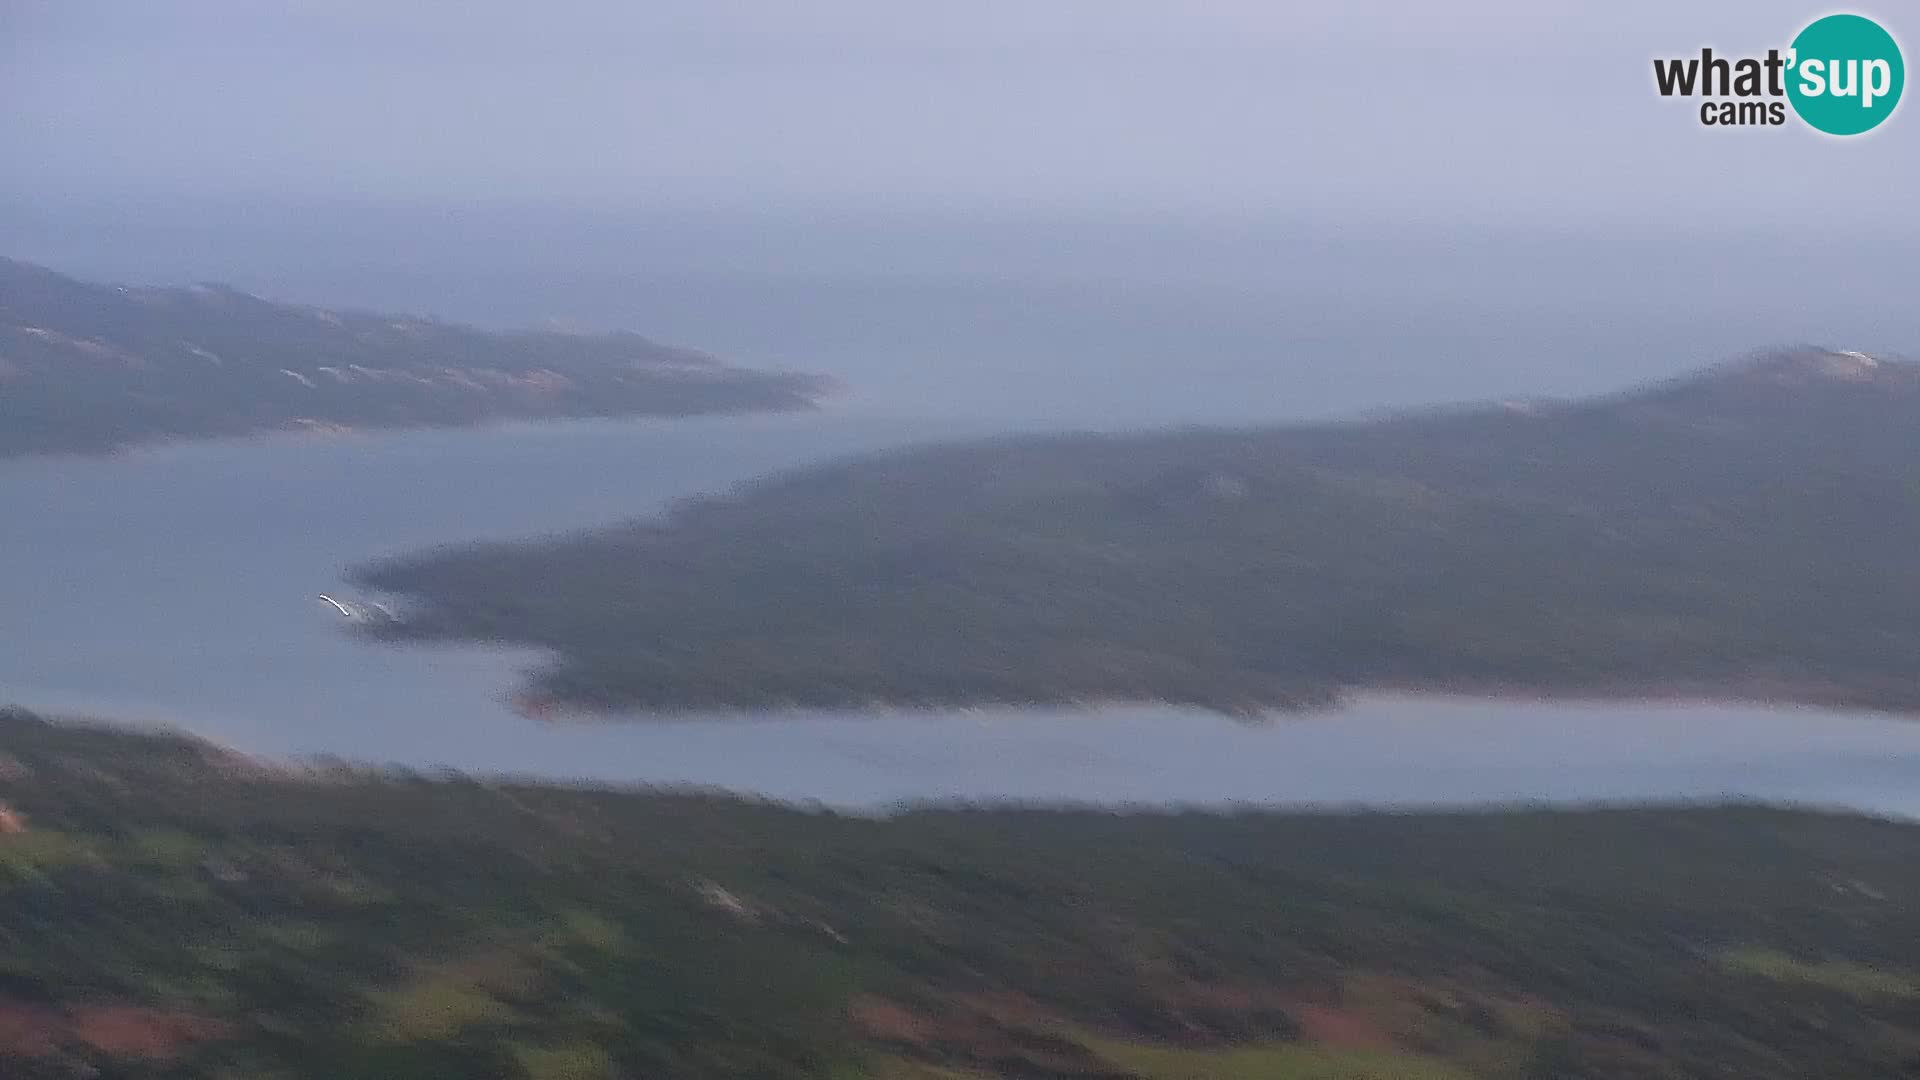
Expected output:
(1498, 111)
(1128, 211)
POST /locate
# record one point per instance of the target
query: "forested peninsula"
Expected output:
(1747, 531)
(90, 368)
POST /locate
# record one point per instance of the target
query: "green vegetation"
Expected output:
(1844, 976)
(170, 910)
(1275, 1063)
(1748, 532)
(91, 367)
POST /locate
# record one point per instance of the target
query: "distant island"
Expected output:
(174, 910)
(1749, 531)
(89, 368)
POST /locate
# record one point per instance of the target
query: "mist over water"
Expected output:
(1057, 321)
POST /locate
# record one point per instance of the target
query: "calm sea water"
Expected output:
(178, 586)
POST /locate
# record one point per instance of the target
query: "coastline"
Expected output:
(1782, 696)
(310, 430)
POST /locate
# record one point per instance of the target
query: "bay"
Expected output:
(178, 586)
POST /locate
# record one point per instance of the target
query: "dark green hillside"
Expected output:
(1746, 532)
(87, 367)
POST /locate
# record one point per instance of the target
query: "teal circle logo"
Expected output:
(1846, 74)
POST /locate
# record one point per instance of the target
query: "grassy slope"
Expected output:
(173, 911)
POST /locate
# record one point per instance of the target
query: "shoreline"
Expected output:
(315, 430)
(1680, 694)
(325, 770)
(1387, 752)
(1676, 694)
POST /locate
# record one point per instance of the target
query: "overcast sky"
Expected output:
(1515, 109)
